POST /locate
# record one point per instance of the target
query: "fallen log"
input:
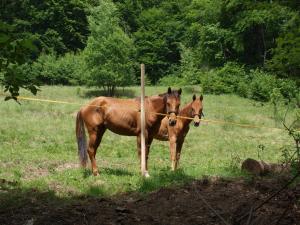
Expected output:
(260, 167)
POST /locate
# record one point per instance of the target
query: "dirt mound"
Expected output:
(231, 200)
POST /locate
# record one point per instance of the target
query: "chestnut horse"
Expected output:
(176, 134)
(122, 116)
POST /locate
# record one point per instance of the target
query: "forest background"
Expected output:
(249, 48)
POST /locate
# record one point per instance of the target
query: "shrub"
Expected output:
(172, 80)
(261, 85)
(229, 79)
(212, 83)
(69, 69)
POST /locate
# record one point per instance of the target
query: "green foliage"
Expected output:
(160, 30)
(254, 84)
(60, 25)
(172, 80)
(182, 40)
(286, 59)
(241, 31)
(28, 27)
(110, 51)
(261, 85)
(14, 51)
(229, 79)
(188, 67)
(69, 69)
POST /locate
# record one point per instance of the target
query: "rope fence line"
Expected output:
(162, 114)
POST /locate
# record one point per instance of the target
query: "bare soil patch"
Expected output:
(231, 199)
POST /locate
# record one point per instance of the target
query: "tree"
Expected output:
(60, 25)
(286, 55)
(110, 51)
(14, 51)
(161, 29)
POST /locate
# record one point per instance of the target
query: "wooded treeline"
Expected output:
(222, 45)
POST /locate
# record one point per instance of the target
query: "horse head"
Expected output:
(197, 110)
(172, 100)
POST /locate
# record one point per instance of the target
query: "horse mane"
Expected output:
(173, 93)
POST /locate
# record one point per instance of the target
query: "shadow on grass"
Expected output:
(164, 178)
(116, 172)
(122, 92)
(108, 171)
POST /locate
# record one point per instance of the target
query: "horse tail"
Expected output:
(81, 139)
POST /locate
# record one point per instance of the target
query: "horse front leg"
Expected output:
(172, 142)
(178, 151)
(148, 144)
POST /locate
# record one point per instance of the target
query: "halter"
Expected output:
(198, 114)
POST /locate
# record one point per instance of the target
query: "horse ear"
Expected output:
(201, 97)
(194, 97)
(179, 91)
(169, 90)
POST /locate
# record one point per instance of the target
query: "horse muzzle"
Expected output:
(172, 118)
(196, 121)
(172, 122)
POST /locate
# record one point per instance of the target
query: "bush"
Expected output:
(172, 80)
(255, 84)
(229, 79)
(261, 85)
(69, 69)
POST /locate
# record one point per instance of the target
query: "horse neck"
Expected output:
(158, 104)
(186, 112)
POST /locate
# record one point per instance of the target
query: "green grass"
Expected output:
(38, 148)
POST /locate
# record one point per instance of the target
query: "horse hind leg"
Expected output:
(95, 137)
(148, 145)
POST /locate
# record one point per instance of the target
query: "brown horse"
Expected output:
(176, 134)
(122, 116)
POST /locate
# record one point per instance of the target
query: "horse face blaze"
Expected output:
(172, 109)
(197, 108)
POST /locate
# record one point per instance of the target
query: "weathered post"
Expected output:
(143, 145)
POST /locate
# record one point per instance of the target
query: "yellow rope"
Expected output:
(162, 114)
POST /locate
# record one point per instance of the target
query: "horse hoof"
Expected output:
(95, 173)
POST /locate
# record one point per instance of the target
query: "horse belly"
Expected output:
(125, 131)
(122, 124)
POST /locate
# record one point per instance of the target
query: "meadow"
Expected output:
(38, 150)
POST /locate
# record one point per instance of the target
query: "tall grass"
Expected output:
(38, 147)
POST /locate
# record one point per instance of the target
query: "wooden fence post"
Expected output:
(143, 145)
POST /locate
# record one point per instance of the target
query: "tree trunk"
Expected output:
(264, 50)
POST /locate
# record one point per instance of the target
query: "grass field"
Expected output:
(38, 149)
